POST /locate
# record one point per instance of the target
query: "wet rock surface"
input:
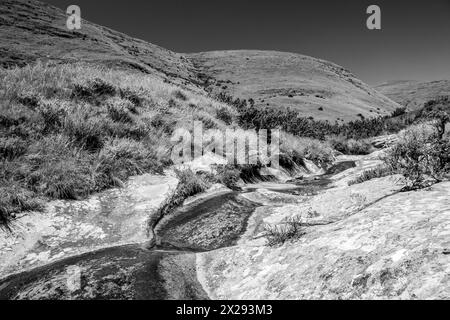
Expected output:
(367, 241)
(127, 272)
(66, 228)
(212, 224)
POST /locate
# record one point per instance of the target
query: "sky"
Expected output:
(413, 43)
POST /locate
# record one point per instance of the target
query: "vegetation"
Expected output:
(292, 229)
(377, 172)
(72, 129)
(350, 146)
(421, 155)
(189, 185)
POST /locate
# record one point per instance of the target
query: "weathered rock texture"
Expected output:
(66, 228)
(367, 241)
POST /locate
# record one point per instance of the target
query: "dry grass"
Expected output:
(72, 129)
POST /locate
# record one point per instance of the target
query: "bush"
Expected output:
(225, 115)
(398, 112)
(298, 148)
(228, 175)
(278, 235)
(420, 155)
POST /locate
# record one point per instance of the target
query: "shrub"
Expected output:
(398, 112)
(420, 155)
(180, 95)
(225, 115)
(298, 148)
(228, 175)
(293, 228)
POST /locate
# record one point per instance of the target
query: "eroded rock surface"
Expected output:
(386, 245)
(110, 218)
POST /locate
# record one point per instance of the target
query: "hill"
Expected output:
(414, 94)
(311, 86)
(31, 31)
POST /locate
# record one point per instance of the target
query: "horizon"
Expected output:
(412, 44)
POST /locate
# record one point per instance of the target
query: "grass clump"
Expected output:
(350, 146)
(189, 185)
(15, 199)
(377, 172)
(121, 158)
(277, 235)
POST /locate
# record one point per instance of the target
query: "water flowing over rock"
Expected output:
(110, 218)
(364, 242)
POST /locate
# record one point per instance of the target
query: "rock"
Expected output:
(110, 218)
(125, 272)
(393, 249)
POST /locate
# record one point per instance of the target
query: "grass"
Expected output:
(277, 235)
(69, 130)
(420, 154)
(350, 146)
(189, 185)
(377, 172)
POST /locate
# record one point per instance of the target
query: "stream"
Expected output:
(167, 271)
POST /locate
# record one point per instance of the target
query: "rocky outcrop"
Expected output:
(66, 228)
(367, 241)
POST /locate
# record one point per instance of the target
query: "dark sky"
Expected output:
(414, 42)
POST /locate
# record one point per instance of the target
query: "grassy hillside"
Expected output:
(33, 30)
(413, 94)
(82, 111)
(68, 130)
(312, 87)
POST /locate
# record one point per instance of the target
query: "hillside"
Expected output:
(304, 83)
(413, 94)
(31, 30)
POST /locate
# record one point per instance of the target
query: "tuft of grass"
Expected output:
(292, 229)
(121, 158)
(350, 146)
(189, 185)
(377, 172)
(228, 175)
(14, 199)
